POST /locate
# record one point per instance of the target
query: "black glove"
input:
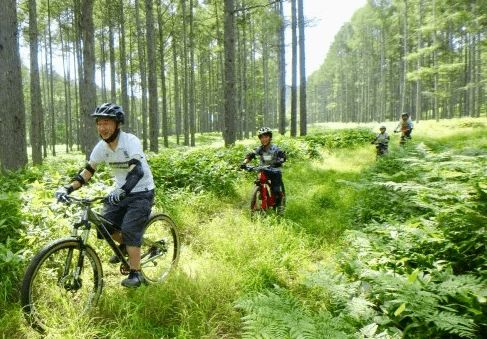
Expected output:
(243, 166)
(62, 193)
(116, 196)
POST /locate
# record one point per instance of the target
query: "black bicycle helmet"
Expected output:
(264, 130)
(111, 111)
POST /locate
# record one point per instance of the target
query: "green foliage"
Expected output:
(323, 197)
(421, 234)
(11, 231)
(393, 248)
(199, 170)
(342, 138)
(278, 314)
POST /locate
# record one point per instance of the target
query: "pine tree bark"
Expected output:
(229, 131)
(192, 99)
(294, 70)
(37, 112)
(303, 112)
(51, 82)
(13, 150)
(153, 106)
(282, 70)
(184, 61)
(162, 56)
(143, 73)
(123, 68)
(88, 87)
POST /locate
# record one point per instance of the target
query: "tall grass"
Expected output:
(330, 267)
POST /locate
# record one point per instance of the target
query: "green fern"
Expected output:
(279, 314)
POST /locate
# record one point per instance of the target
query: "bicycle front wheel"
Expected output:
(160, 248)
(61, 284)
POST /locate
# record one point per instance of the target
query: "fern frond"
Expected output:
(454, 324)
(464, 285)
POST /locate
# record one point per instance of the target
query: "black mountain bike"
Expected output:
(65, 279)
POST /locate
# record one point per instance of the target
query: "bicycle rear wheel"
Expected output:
(62, 282)
(160, 248)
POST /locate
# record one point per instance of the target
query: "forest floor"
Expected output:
(289, 276)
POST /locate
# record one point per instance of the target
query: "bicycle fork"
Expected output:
(71, 281)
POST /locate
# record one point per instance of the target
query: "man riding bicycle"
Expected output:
(272, 156)
(129, 204)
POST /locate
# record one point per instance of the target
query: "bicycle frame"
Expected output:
(263, 185)
(268, 200)
(75, 272)
(89, 217)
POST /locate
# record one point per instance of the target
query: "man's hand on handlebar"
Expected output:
(62, 194)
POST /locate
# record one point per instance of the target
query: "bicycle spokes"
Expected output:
(63, 282)
(160, 249)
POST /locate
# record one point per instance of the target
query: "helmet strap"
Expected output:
(112, 137)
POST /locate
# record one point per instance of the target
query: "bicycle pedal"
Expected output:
(124, 269)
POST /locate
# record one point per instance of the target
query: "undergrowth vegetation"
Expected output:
(394, 248)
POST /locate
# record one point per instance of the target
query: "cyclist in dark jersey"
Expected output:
(270, 155)
(381, 141)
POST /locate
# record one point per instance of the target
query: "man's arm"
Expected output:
(134, 175)
(83, 176)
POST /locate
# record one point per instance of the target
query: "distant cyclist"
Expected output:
(405, 126)
(269, 155)
(381, 141)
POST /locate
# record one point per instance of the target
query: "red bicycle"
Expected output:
(262, 198)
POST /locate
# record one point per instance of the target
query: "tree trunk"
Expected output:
(13, 150)
(294, 60)
(153, 109)
(184, 61)
(435, 67)
(162, 55)
(282, 70)
(88, 87)
(143, 73)
(419, 63)
(103, 63)
(303, 113)
(67, 95)
(123, 68)
(51, 83)
(229, 132)
(192, 105)
(111, 44)
(404, 57)
(37, 112)
(177, 100)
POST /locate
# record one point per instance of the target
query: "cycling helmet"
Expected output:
(382, 127)
(404, 114)
(111, 111)
(264, 130)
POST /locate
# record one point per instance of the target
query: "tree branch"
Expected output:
(243, 9)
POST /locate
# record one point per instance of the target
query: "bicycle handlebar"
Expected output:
(249, 168)
(84, 201)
